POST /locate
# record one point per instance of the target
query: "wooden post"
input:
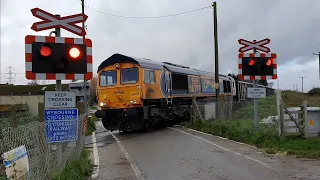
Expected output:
(303, 123)
(41, 112)
(194, 114)
(13, 116)
(280, 109)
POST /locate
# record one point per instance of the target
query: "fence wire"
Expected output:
(44, 158)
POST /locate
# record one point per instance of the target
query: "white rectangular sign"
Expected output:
(254, 93)
(60, 99)
(16, 163)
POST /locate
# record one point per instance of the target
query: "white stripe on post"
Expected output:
(89, 51)
(79, 76)
(41, 76)
(40, 39)
(28, 66)
(60, 76)
(28, 48)
(60, 39)
(78, 41)
(89, 67)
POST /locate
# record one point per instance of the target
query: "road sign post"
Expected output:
(61, 53)
(256, 66)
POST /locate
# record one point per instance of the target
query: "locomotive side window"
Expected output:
(108, 78)
(129, 76)
(149, 77)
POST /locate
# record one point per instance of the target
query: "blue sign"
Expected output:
(61, 125)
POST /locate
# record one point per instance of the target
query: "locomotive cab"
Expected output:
(119, 95)
(119, 86)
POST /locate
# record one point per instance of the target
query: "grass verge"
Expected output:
(240, 128)
(76, 169)
(91, 126)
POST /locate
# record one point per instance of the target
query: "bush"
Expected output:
(314, 92)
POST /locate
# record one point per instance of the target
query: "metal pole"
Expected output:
(58, 88)
(302, 77)
(85, 82)
(216, 58)
(319, 62)
(255, 103)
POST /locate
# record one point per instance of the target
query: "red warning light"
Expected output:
(251, 62)
(45, 51)
(74, 52)
(269, 62)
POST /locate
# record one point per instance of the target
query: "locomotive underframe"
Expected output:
(154, 114)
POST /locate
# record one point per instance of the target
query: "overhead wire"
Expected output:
(147, 17)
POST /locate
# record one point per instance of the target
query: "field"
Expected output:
(240, 127)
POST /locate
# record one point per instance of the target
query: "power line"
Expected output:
(146, 17)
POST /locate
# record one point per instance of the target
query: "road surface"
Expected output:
(177, 153)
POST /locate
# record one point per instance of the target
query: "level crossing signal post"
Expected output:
(59, 58)
(256, 66)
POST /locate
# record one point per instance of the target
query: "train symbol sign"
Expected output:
(259, 45)
(51, 21)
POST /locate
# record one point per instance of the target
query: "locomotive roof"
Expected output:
(119, 58)
(150, 64)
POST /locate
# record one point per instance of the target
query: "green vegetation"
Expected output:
(26, 89)
(240, 128)
(22, 118)
(91, 126)
(76, 169)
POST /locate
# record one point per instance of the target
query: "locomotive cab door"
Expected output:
(168, 81)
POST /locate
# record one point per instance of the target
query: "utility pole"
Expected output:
(85, 82)
(255, 103)
(319, 62)
(216, 58)
(10, 72)
(58, 88)
(302, 81)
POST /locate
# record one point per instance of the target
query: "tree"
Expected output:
(33, 82)
(93, 89)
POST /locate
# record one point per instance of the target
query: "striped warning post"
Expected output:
(29, 39)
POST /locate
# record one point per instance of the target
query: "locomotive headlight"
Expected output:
(133, 101)
(103, 104)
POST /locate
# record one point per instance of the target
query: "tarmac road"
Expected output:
(177, 153)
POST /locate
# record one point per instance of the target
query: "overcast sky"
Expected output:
(292, 25)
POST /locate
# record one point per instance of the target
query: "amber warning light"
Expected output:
(74, 53)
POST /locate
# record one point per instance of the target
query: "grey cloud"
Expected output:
(292, 26)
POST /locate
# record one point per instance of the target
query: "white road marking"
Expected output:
(95, 157)
(221, 147)
(216, 136)
(130, 160)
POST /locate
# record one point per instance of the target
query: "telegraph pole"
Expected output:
(255, 102)
(85, 82)
(216, 58)
(302, 81)
(319, 62)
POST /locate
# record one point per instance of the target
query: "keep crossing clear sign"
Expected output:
(256, 93)
(61, 124)
(60, 99)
